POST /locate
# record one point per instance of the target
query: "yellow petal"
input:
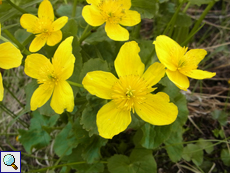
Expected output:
(200, 74)
(10, 56)
(179, 79)
(111, 121)
(154, 73)
(1, 88)
(157, 110)
(45, 10)
(54, 38)
(168, 52)
(126, 4)
(40, 96)
(99, 83)
(64, 59)
(191, 60)
(116, 32)
(128, 62)
(59, 23)
(37, 66)
(29, 22)
(92, 15)
(62, 98)
(38, 42)
(130, 18)
(95, 2)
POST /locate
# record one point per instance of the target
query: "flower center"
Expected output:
(44, 25)
(112, 11)
(130, 90)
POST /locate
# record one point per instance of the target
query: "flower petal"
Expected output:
(38, 42)
(111, 121)
(126, 4)
(62, 98)
(29, 22)
(131, 18)
(45, 10)
(157, 110)
(59, 23)
(191, 60)
(1, 88)
(37, 66)
(116, 32)
(10, 56)
(168, 52)
(99, 83)
(40, 96)
(128, 62)
(95, 2)
(54, 38)
(200, 74)
(92, 15)
(179, 79)
(154, 73)
(64, 59)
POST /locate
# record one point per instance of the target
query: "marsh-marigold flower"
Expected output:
(52, 78)
(131, 92)
(10, 57)
(179, 62)
(46, 29)
(112, 13)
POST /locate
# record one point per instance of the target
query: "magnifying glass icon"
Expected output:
(9, 160)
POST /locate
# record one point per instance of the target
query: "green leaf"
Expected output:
(183, 20)
(36, 136)
(21, 35)
(92, 149)
(154, 136)
(69, 138)
(147, 8)
(174, 145)
(89, 114)
(93, 65)
(70, 28)
(225, 156)
(140, 160)
(205, 145)
(193, 152)
(221, 116)
(76, 156)
(170, 88)
(98, 35)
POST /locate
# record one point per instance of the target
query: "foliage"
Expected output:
(70, 141)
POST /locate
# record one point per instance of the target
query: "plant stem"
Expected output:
(173, 19)
(16, 7)
(85, 34)
(75, 84)
(74, 8)
(20, 46)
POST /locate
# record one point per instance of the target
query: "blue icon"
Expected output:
(9, 160)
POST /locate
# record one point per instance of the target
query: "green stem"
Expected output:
(74, 8)
(85, 34)
(173, 19)
(16, 7)
(20, 46)
(186, 7)
(13, 95)
(207, 9)
(75, 84)
(136, 31)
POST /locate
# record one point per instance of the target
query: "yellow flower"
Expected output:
(114, 13)
(52, 77)
(131, 92)
(46, 29)
(10, 57)
(179, 62)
